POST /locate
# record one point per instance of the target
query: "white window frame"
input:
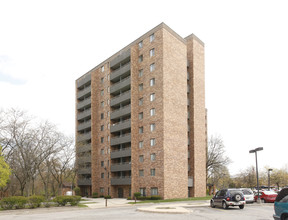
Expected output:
(152, 82)
(152, 37)
(152, 52)
(152, 142)
(152, 67)
(152, 97)
(152, 111)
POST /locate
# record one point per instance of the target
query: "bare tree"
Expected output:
(216, 160)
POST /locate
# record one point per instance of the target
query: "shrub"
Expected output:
(137, 194)
(61, 200)
(155, 197)
(47, 203)
(17, 202)
(107, 197)
(74, 200)
(141, 197)
(129, 198)
(94, 195)
(35, 201)
(77, 191)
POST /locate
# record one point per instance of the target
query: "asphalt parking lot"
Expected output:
(250, 212)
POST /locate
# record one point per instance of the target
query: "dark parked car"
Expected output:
(228, 197)
(281, 205)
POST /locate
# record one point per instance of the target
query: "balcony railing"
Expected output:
(84, 182)
(121, 139)
(84, 148)
(84, 137)
(121, 167)
(83, 80)
(120, 58)
(85, 159)
(126, 110)
(121, 98)
(122, 84)
(84, 170)
(84, 103)
(124, 152)
(84, 114)
(120, 126)
(122, 71)
(84, 125)
(125, 180)
(83, 92)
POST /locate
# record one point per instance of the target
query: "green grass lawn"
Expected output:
(173, 200)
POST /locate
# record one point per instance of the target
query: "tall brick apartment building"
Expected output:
(141, 119)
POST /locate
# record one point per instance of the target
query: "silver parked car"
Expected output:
(248, 194)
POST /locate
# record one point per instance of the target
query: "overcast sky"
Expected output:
(46, 45)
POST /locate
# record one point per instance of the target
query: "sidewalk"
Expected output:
(173, 207)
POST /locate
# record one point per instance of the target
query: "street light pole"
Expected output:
(269, 178)
(255, 151)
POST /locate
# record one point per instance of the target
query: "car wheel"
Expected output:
(224, 205)
(212, 204)
(263, 201)
(285, 218)
(237, 197)
(241, 206)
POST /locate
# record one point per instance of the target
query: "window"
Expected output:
(152, 97)
(141, 158)
(152, 127)
(152, 142)
(102, 128)
(102, 139)
(188, 88)
(102, 104)
(141, 130)
(188, 75)
(154, 191)
(141, 172)
(102, 69)
(140, 58)
(108, 139)
(153, 157)
(140, 44)
(152, 37)
(102, 115)
(140, 115)
(101, 190)
(152, 82)
(152, 67)
(108, 102)
(102, 175)
(102, 151)
(152, 111)
(143, 191)
(152, 172)
(140, 72)
(140, 101)
(102, 92)
(141, 144)
(102, 80)
(108, 89)
(152, 52)
(141, 87)
(102, 163)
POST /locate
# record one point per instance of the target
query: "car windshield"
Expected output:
(247, 192)
(233, 192)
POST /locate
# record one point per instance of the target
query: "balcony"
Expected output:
(84, 103)
(125, 152)
(121, 58)
(84, 137)
(86, 159)
(83, 80)
(126, 110)
(82, 182)
(84, 170)
(126, 96)
(84, 92)
(84, 125)
(122, 71)
(122, 84)
(84, 114)
(120, 167)
(121, 139)
(84, 148)
(121, 181)
(120, 126)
